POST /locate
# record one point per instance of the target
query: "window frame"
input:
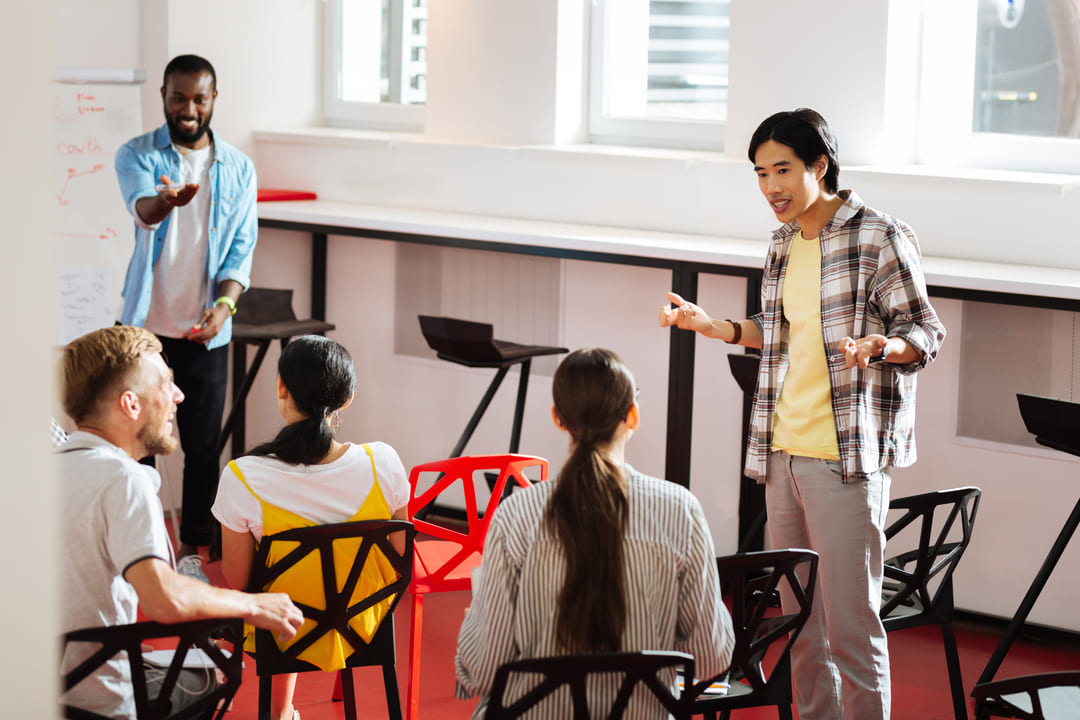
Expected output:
(947, 99)
(606, 129)
(385, 116)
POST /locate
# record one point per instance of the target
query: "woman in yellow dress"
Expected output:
(305, 477)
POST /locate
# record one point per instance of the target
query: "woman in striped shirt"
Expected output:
(600, 559)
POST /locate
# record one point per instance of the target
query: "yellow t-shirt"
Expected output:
(804, 423)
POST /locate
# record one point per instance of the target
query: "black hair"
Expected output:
(189, 65)
(807, 134)
(321, 377)
(588, 510)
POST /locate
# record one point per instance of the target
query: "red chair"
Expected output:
(446, 563)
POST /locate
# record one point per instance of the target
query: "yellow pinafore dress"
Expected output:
(303, 581)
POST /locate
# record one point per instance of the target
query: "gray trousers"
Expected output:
(840, 662)
(192, 685)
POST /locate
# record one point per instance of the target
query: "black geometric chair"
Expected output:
(918, 584)
(118, 639)
(1047, 696)
(353, 542)
(653, 671)
(754, 579)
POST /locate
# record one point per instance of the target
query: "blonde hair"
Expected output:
(99, 363)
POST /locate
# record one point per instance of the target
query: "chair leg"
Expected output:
(783, 711)
(335, 695)
(393, 698)
(416, 629)
(265, 686)
(952, 661)
(348, 692)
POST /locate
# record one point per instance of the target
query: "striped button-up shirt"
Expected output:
(871, 283)
(672, 593)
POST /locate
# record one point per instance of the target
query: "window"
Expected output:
(375, 63)
(1023, 83)
(659, 72)
(1006, 92)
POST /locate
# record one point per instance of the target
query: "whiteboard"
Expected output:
(94, 113)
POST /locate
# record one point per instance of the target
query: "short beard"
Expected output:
(156, 444)
(179, 135)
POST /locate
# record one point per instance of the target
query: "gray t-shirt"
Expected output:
(112, 518)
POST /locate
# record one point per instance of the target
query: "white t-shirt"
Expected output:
(178, 296)
(111, 520)
(324, 494)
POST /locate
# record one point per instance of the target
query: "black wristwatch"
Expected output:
(882, 356)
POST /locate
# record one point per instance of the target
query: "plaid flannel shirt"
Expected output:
(871, 283)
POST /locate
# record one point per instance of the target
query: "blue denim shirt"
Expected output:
(233, 225)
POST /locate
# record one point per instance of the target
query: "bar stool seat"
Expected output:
(473, 344)
(752, 515)
(262, 316)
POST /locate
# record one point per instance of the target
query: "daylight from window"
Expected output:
(1027, 68)
(383, 51)
(666, 59)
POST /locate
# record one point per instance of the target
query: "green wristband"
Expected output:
(227, 302)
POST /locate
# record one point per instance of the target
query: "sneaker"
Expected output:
(191, 566)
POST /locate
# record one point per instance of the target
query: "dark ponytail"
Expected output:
(588, 510)
(320, 376)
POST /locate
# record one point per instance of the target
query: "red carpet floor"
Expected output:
(920, 684)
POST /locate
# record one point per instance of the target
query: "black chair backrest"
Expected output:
(655, 671)
(261, 306)
(916, 579)
(754, 579)
(464, 339)
(1029, 697)
(340, 605)
(744, 368)
(118, 639)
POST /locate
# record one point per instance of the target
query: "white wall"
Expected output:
(793, 56)
(533, 95)
(28, 667)
(268, 62)
(265, 55)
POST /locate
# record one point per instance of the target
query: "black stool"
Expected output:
(471, 344)
(1055, 424)
(262, 316)
(744, 368)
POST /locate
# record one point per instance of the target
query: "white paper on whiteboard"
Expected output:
(84, 301)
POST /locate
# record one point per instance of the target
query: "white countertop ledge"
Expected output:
(975, 275)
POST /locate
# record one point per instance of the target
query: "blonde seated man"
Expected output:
(305, 477)
(117, 557)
